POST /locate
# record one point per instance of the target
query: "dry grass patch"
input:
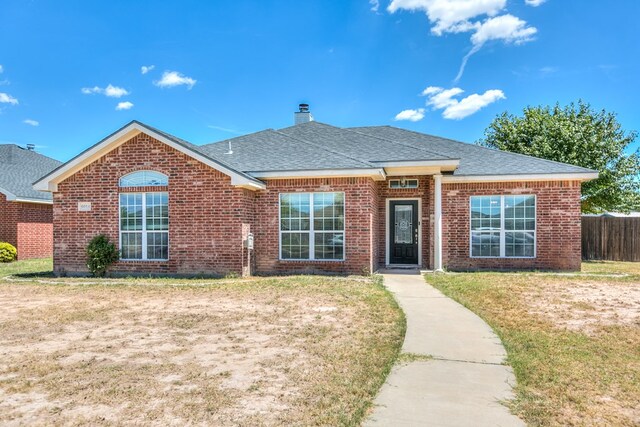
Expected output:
(270, 351)
(573, 341)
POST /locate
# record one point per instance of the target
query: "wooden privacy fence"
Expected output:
(610, 238)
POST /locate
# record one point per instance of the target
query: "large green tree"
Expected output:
(579, 135)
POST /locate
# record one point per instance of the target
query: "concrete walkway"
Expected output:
(465, 381)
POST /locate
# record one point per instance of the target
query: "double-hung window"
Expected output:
(312, 226)
(503, 226)
(144, 218)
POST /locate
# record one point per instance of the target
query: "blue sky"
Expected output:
(227, 68)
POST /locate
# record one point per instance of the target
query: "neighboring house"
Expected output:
(314, 197)
(26, 215)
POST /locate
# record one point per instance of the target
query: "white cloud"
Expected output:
(115, 92)
(534, 3)
(31, 122)
(91, 90)
(441, 98)
(375, 5)
(126, 105)
(481, 18)
(444, 99)
(110, 91)
(5, 98)
(507, 28)
(146, 68)
(174, 78)
(450, 16)
(411, 115)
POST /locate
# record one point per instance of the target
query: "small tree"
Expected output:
(101, 253)
(581, 136)
(8, 252)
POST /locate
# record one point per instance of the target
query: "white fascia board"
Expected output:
(577, 176)
(377, 174)
(13, 198)
(8, 194)
(50, 182)
(38, 201)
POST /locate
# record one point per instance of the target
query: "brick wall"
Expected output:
(27, 226)
(35, 230)
(423, 192)
(207, 216)
(360, 225)
(558, 225)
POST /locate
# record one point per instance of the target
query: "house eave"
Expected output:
(377, 174)
(576, 176)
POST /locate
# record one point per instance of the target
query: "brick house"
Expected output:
(313, 197)
(26, 215)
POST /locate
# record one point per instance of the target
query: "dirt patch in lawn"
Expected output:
(273, 351)
(587, 306)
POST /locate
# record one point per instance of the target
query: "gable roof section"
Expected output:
(50, 181)
(19, 168)
(270, 150)
(317, 149)
(480, 163)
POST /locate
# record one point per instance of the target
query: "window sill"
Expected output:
(129, 260)
(310, 260)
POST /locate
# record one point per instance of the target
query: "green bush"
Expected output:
(8, 252)
(101, 253)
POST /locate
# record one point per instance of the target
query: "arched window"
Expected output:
(144, 179)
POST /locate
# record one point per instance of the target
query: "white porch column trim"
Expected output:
(437, 233)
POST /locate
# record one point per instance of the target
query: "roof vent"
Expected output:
(31, 147)
(304, 115)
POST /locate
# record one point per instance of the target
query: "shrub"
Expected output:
(8, 252)
(101, 253)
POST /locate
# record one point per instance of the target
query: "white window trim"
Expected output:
(503, 231)
(164, 184)
(312, 246)
(144, 227)
(387, 236)
(404, 188)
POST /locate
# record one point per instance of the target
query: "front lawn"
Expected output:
(572, 340)
(263, 351)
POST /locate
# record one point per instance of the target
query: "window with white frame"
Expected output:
(312, 226)
(503, 226)
(144, 226)
(144, 179)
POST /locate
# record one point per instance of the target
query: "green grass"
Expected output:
(36, 267)
(575, 365)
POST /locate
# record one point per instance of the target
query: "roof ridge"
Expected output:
(325, 148)
(401, 143)
(492, 149)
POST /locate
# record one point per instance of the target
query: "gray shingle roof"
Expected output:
(271, 150)
(19, 168)
(474, 160)
(314, 145)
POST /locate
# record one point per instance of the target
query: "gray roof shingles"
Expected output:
(315, 145)
(19, 168)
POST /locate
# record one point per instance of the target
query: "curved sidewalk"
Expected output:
(466, 379)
